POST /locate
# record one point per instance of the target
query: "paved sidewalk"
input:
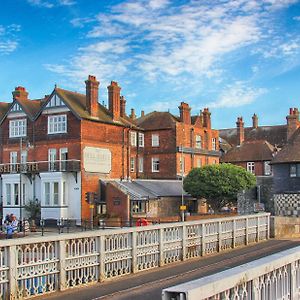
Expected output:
(148, 285)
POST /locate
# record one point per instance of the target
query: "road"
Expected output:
(148, 285)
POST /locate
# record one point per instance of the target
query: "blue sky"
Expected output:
(235, 56)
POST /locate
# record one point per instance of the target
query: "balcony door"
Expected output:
(63, 157)
(51, 159)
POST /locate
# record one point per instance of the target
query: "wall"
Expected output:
(287, 204)
(284, 227)
(282, 180)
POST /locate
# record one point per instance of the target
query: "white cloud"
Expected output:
(296, 18)
(8, 38)
(237, 94)
(51, 3)
(177, 43)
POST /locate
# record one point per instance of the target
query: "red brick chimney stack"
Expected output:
(201, 117)
(185, 113)
(114, 100)
(254, 121)
(122, 106)
(92, 88)
(142, 113)
(240, 131)
(20, 93)
(132, 114)
(292, 121)
(206, 118)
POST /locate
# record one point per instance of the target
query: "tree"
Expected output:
(33, 209)
(218, 184)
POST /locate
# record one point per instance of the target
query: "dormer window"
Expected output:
(57, 124)
(17, 128)
(55, 102)
(16, 107)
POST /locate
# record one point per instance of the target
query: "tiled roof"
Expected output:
(290, 152)
(157, 120)
(31, 107)
(275, 135)
(77, 103)
(4, 106)
(250, 151)
(151, 189)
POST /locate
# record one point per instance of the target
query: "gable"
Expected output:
(55, 101)
(16, 108)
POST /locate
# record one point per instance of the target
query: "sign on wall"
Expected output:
(96, 160)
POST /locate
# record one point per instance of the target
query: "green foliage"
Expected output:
(219, 184)
(33, 209)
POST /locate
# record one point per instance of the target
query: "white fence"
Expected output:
(271, 278)
(41, 265)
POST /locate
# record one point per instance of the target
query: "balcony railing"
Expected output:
(71, 165)
(190, 150)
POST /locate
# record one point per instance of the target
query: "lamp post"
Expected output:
(182, 198)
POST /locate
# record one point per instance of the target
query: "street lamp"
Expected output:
(22, 169)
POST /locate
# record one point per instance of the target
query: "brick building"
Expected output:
(55, 149)
(254, 147)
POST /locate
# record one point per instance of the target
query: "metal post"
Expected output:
(20, 189)
(182, 198)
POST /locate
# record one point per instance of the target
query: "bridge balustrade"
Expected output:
(41, 265)
(275, 277)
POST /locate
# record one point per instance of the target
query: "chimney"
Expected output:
(122, 106)
(114, 99)
(20, 93)
(142, 113)
(206, 118)
(132, 114)
(201, 117)
(240, 131)
(92, 88)
(185, 113)
(292, 121)
(254, 121)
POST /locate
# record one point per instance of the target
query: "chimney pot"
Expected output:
(20, 93)
(114, 100)
(92, 90)
(206, 118)
(122, 106)
(185, 113)
(142, 113)
(132, 114)
(254, 121)
(240, 131)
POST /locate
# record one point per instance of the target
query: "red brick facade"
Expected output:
(89, 124)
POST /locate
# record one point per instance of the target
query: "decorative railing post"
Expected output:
(219, 236)
(13, 272)
(161, 247)
(247, 232)
(184, 241)
(293, 280)
(101, 258)
(268, 227)
(257, 227)
(255, 289)
(62, 265)
(233, 233)
(203, 240)
(133, 251)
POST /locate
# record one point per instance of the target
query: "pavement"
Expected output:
(148, 285)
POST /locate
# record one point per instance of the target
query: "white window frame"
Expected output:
(267, 168)
(198, 141)
(133, 138)
(17, 128)
(141, 164)
(214, 144)
(251, 167)
(155, 140)
(57, 124)
(51, 198)
(13, 159)
(63, 157)
(52, 158)
(199, 163)
(132, 164)
(141, 139)
(182, 164)
(155, 165)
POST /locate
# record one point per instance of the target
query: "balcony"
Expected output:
(190, 150)
(71, 165)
